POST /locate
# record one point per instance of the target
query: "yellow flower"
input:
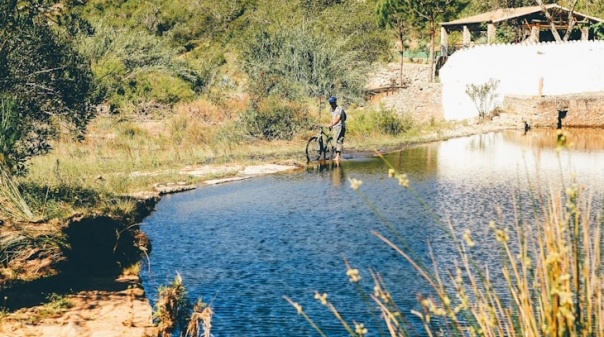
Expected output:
(402, 180)
(501, 235)
(355, 183)
(391, 173)
(321, 297)
(353, 275)
(360, 329)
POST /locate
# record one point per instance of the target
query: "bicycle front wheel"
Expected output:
(330, 149)
(313, 149)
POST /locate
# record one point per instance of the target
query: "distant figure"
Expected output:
(338, 126)
(527, 127)
(561, 115)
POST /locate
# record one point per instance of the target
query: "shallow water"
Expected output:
(243, 246)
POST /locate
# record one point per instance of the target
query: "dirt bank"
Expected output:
(85, 292)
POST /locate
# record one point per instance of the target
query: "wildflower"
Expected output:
(501, 235)
(355, 183)
(321, 297)
(391, 173)
(381, 294)
(353, 275)
(526, 261)
(402, 180)
(360, 329)
(468, 239)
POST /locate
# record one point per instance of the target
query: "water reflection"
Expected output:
(579, 139)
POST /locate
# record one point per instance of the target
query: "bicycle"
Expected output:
(319, 146)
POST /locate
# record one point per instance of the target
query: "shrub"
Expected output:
(272, 118)
(483, 96)
(386, 121)
(390, 123)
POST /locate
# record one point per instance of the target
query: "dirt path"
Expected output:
(120, 309)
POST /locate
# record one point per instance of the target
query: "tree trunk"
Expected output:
(550, 20)
(571, 20)
(431, 54)
(400, 72)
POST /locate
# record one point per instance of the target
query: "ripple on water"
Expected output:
(245, 245)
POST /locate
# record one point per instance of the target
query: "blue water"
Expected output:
(243, 246)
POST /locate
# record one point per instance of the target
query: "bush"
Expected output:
(273, 118)
(386, 121)
(390, 123)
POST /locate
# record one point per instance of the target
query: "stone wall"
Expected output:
(417, 97)
(578, 110)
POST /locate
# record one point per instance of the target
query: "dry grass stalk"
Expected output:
(200, 321)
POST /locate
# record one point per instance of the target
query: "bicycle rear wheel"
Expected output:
(330, 149)
(313, 149)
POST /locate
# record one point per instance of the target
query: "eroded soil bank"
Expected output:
(80, 277)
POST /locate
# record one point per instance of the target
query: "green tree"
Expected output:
(396, 14)
(429, 12)
(44, 83)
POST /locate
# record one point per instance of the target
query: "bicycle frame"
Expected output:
(320, 146)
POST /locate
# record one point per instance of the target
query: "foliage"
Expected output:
(354, 23)
(173, 312)
(483, 96)
(10, 134)
(296, 62)
(381, 121)
(46, 81)
(136, 67)
(274, 118)
(390, 123)
(12, 202)
(507, 34)
(599, 30)
(428, 13)
(396, 15)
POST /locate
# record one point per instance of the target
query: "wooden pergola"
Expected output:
(531, 21)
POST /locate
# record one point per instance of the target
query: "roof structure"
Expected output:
(505, 14)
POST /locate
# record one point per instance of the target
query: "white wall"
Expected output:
(566, 68)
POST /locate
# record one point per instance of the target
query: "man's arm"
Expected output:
(335, 120)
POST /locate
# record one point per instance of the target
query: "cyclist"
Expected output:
(337, 125)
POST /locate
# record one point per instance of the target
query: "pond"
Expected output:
(243, 246)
